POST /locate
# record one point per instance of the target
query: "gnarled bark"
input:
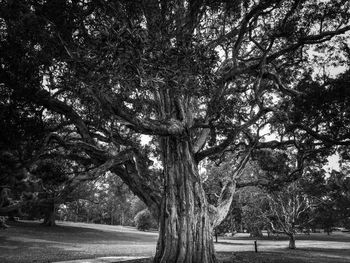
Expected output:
(185, 227)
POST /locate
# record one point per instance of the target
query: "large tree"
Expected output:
(199, 77)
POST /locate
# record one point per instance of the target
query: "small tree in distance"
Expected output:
(288, 210)
(255, 206)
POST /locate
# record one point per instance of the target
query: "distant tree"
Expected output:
(113, 198)
(277, 201)
(333, 208)
(105, 200)
(254, 207)
(288, 209)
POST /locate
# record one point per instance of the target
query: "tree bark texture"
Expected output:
(185, 229)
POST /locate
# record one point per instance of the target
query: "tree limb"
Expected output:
(230, 138)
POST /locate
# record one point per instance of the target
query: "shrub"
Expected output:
(144, 220)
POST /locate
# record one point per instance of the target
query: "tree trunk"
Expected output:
(291, 241)
(112, 217)
(76, 212)
(49, 219)
(185, 229)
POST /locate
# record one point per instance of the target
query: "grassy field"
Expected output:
(30, 242)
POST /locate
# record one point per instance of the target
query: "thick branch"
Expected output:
(144, 126)
(323, 138)
(230, 138)
(201, 140)
(279, 84)
(226, 196)
(306, 40)
(145, 187)
(43, 98)
(91, 150)
(311, 39)
(274, 144)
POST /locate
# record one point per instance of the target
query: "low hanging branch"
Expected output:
(92, 174)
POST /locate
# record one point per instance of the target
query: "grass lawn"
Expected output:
(314, 248)
(30, 242)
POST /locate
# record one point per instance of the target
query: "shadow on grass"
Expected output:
(337, 237)
(336, 252)
(32, 242)
(234, 243)
(74, 234)
(14, 251)
(283, 256)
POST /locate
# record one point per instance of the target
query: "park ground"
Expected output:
(27, 242)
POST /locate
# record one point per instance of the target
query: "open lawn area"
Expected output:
(30, 242)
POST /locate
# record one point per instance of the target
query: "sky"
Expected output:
(333, 163)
